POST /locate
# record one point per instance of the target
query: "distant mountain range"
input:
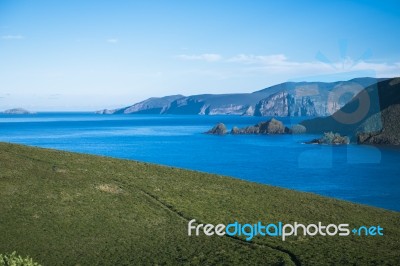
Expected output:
(371, 117)
(285, 99)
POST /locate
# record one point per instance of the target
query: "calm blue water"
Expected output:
(360, 174)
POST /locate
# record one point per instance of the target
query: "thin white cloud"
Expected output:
(258, 59)
(12, 37)
(112, 40)
(201, 57)
(280, 64)
(381, 69)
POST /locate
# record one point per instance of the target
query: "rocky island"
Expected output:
(218, 129)
(17, 111)
(270, 127)
(330, 138)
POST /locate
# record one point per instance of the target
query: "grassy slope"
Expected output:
(52, 210)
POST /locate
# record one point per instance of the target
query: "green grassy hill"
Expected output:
(63, 208)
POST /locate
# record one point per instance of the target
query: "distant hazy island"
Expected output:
(17, 111)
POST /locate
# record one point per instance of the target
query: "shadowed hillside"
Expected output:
(372, 116)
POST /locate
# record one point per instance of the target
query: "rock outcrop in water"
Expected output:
(331, 138)
(272, 126)
(218, 129)
(298, 129)
(235, 130)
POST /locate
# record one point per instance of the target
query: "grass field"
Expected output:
(63, 208)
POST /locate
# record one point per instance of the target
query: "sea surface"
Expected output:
(360, 174)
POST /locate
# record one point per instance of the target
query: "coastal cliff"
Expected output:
(371, 117)
(285, 99)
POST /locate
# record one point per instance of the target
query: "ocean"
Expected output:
(361, 174)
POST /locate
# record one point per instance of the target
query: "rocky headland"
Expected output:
(371, 117)
(285, 99)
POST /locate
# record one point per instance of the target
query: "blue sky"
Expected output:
(89, 55)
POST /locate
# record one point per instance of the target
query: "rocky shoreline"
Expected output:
(330, 138)
(276, 127)
(272, 126)
(371, 118)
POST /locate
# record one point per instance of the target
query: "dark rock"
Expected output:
(235, 131)
(377, 138)
(364, 137)
(331, 138)
(298, 129)
(249, 130)
(272, 126)
(218, 129)
(382, 128)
